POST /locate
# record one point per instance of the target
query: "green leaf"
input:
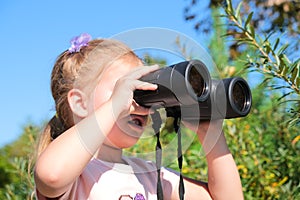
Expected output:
(248, 20)
(222, 15)
(280, 87)
(229, 34)
(237, 12)
(276, 44)
(292, 122)
(265, 81)
(229, 5)
(285, 59)
(295, 73)
(269, 67)
(252, 31)
(277, 59)
(287, 94)
(269, 35)
(285, 70)
(282, 48)
(280, 69)
(293, 65)
(298, 82)
(245, 41)
(268, 48)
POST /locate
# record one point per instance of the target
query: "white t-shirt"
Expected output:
(109, 181)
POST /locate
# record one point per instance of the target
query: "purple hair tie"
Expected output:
(79, 41)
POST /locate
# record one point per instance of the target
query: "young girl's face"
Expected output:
(127, 129)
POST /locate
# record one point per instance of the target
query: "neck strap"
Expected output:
(176, 123)
(156, 119)
(156, 127)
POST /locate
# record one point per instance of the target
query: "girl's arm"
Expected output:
(223, 177)
(64, 159)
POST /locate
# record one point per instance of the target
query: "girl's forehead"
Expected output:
(123, 64)
(110, 70)
(117, 69)
(122, 67)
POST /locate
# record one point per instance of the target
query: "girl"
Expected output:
(80, 152)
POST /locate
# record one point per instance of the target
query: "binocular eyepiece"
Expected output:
(186, 90)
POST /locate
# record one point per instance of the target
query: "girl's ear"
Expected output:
(78, 103)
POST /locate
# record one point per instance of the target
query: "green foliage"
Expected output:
(149, 60)
(270, 58)
(264, 153)
(16, 166)
(221, 54)
(270, 15)
(22, 186)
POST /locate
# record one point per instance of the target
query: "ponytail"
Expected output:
(56, 127)
(44, 140)
(53, 129)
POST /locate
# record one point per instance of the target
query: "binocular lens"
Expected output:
(239, 96)
(196, 81)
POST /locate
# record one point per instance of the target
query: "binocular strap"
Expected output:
(156, 119)
(176, 123)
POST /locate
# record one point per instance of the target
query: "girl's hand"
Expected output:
(122, 96)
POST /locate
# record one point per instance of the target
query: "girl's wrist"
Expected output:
(215, 147)
(212, 138)
(209, 130)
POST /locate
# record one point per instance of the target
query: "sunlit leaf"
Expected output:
(276, 44)
(252, 31)
(295, 73)
(237, 12)
(248, 20)
(282, 48)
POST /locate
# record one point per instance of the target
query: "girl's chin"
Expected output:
(121, 144)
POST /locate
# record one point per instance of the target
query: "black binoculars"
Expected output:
(186, 90)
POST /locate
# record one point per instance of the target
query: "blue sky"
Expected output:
(33, 33)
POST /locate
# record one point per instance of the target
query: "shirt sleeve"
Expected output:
(69, 194)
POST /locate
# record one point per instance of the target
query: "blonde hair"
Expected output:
(78, 69)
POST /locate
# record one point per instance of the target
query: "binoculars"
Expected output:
(186, 90)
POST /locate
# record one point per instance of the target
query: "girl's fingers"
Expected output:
(123, 90)
(138, 72)
(141, 71)
(141, 85)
